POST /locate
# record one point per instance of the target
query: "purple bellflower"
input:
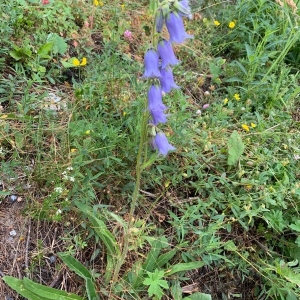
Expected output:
(167, 80)
(185, 9)
(158, 116)
(176, 29)
(151, 61)
(155, 98)
(159, 21)
(160, 142)
(166, 54)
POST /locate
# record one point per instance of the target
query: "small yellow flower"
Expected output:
(124, 113)
(88, 132)
(123, 7)
(225, 100)
(217, 23)
(245, 127)
(96, 2)
(73, 150)
(77, 63)
(253, 125)
(231, 24)
(237, 97)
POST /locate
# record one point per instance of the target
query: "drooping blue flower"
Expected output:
(167, 80)
(160, 142)
(158, 116)
(159, 21)
(166, 53)
(155, 98)
(176, 29)
(151, 61)
(187, 10)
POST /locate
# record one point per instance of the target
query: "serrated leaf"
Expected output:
(155, 283)
(59, 44)
(185, 267)
(75, 265)
(235, 148)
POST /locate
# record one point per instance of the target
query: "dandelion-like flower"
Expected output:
(166, 53)
(231, 24)
(217, 23)
(151, 61)
(176, 29)
(160, 142)
(167, 80)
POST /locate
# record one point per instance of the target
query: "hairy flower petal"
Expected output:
(160, 142)
(167, 80)
(155, 98)
(166, 53)
(151, 61)
(176, 29)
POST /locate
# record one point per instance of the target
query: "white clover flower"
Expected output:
(59, 211)
(58, 189)
(71, 178)
(69, 168)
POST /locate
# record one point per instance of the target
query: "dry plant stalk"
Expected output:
(290, 3)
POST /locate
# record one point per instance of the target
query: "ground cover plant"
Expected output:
(96, 202)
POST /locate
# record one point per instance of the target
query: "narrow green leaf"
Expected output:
(91, 290)
(75, 265)
(48, 292)
(185, 267)
(19, 286)
(44, 50)
(165, 258)
(198, 296)
(235, 148)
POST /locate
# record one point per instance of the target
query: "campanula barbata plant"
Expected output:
(159, 59)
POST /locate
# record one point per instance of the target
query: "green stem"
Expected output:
(134, 199)
(138, 169)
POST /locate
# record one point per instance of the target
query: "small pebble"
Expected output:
(12, 198)
(52, 259)
(13, 233)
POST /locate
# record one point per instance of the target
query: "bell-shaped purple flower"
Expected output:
(155, 98)
(176, 29)
(159, 21)
(167, 80)
(160, 142)
(158, 116)
(184, 9)
(151, 61)
(166, 53)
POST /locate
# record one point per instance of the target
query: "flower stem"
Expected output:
(135, 196)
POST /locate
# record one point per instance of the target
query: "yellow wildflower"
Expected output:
(96, 2)
(77, 63)
(237, 97)
(217, 23)
(88, 132)
(245, 127)
(123, 7)
(253, 125)
(73, 150)
(231, 24)
(225, 100)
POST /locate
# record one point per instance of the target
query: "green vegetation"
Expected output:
(216, 219)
